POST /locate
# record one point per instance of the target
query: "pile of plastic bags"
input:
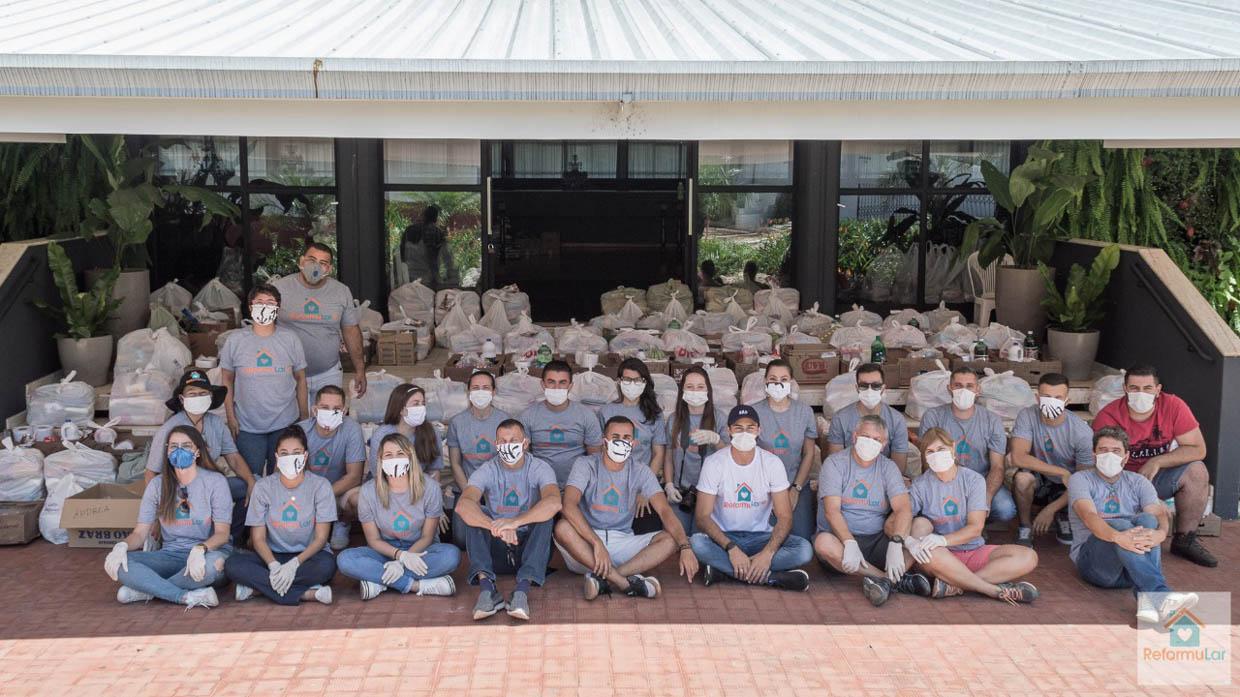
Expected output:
(576, 337)
(514, 301)
(412, 300)
(67, 400)
(449, 298)
(372, 406)
(21, 473)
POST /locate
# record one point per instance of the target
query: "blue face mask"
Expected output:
(181, 458)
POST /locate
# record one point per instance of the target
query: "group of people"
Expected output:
(739, 494)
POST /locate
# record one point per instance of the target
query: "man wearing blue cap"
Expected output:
(736, 495)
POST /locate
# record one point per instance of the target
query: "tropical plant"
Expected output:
(83, 314)
(45, 188)
(1079, 307)
(1035, 198)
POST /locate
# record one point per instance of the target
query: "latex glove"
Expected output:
(392, 571)
(895, 561)
(196, 564)
(673, 494)
(116, 560)
(413, 561)
(931, 542)
(914, 547)
(273, 573)
(282, 578)
(703, 437)
(852, 557)
(824, 426)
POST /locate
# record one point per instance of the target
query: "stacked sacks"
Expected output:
(413, 301)
(613, 300)
(660, 295)
(513, 300)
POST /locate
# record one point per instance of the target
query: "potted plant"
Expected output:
(1034, 198)
(85, 346)
(124, 215)
(1076, 312)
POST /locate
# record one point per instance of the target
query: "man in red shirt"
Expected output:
(1168, 449)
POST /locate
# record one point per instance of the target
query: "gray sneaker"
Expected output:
(519, 606)
(489, 603)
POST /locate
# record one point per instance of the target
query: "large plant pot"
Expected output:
(133, 289)
(1077, 350)
(1018, 299)
(89, 357)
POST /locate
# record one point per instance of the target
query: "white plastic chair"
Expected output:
(984, 302)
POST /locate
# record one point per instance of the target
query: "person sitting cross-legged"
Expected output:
(865, 516)
(1118, 527)
(736, 492)
(595, 534)
(951, 504)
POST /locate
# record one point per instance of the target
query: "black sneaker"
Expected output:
(595, 586)
(710, 575)
(913, 583)
(1021, 592)
(876, 590)
(795, 580)
(1188, 546)
(1024, 537)
(643, 586)
(1063, 528)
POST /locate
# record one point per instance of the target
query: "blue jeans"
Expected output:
(236, 487)
(257, 449)
(365, 564)
(1108, 565)
(527, 559)
(248, 569)
(1002, 506)
(162, 573)
(794, 553)
(685, 518)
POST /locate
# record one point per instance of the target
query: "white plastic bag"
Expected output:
(412, 300)
(723, 387)
(955, 337)
(717, 298)
(87, 465)
(515, 302)
(173, 297)
(903, 336)
(448, 298)
(753, 388)
(138, 398)
(940, 317)
(666, 392)
(998, 336)
(927, 391)
(576, 337)
(525, 338)
(21, 473)
(106, 434)
(473, 339)
(444, 398)
(706, 323)
(49, 517)
(796, 336)
(455, 321)
(144, 349)
(613, 300)
(907, 316)
(1006, 395)
(675, 310)
(660, 294)
(751, 336)
(216, 297)
(372, 406)
(654, 320)
(368, 320)
(162, 318)
(609, 323)
(860, 315)
(684, 345)
(593, 389)
(628, 343)
(857, 335)
(517, 390)
(841, 390)
(813, 322)
(1106, 389)
(52, 405)
(787, 298)
(496, 318)
(735, 312)
(630, 313)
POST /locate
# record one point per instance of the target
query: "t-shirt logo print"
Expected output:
(609, 501)
(264, 359)
(861, 491)
(951, 507)
(556, 435)
(1110, 505)
(320, 461)
(780, 442)
(288, 517)
(183, 512)
(401, 523)
(744, 493)
(289, 514)
(311, 307)
(512, 500)
(483, 446)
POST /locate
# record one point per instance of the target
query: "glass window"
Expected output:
(282, 224)
(550, 159)
(958, 163)
(201, 160)
(431, 161)
(182, 249)
(741, 227)
(880, 164)
(877, 254)
(444, 253)
(745, 162)
(292, 161)
(657, 160)
(946, 219)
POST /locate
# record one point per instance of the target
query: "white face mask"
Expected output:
(510, 453)
(940, 460)
(328, 419)
(197, 405)
(312, 272)
(395, 466)
(291, 465)
(1051, 407)
(963, 399)
(695, 398)
(264, 315)
(555, 397)
(744, 441)
(1140, 402)
(867, 448)
(481, 399)
(632, 390)
(1109, 464)
(778, 390)
(619, 450)
(870, 398)
(415, 415)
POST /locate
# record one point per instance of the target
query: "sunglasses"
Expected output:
(870, 386)
(183, 504)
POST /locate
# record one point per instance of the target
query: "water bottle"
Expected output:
(1031, 347)
(878, 350)
(488, 349)
(981, 352)
(544, 355)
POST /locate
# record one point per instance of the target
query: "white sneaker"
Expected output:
(243, 593)
(1174, 603)
(323, 594)
(371, 590)
(125, 594)
(340, 535)
(440, 585)
(200, 597)
(1146, 612)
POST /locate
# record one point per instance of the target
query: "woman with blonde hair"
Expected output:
(951, 506)
(399, 511)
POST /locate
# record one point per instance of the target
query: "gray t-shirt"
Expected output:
(316, 315)
(291, 514)
(1125, 498)
(609, 499)
(865, 492)
(508, 492)
(474, 437)
(327, 456)
(560, 437)
(265, 385)
(647, 433)
(687, 457)
(784, 433)
(400, 523)
(1069, 445)
(947, 505)
(209, 503)
(376, 440)
(845, 422)
(975, 437)
(214, 431)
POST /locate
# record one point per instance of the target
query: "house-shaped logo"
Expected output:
(611, 497)
(511, 498)
(311, 307)
(264, 359)
(1111, 505)
(744, 493)
(861, 491)
(556, 435)
(1049, 445)
(401, 523)
(951, 507)
(183, 512)
(1184, 629)
(780, 442)
(483, 446)
(320, 461)
(289, 513)
(962, 448)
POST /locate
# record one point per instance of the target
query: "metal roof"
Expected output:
(601, 50)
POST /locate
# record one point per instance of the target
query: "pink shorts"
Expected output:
(976, 559)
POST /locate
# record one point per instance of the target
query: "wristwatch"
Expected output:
(798, 487)
(898, 539)
(731, 546)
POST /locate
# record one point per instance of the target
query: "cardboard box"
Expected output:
(812, 364)
(451, 371)
(613, 360)
(397, 348)
(368, 354)
(102, 515)
(738, 366)
(1029, 371)
(908, 368)
(205, 343)
(19, 521)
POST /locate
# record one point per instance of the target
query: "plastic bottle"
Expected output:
(544, 355)
(1031, 347)
(878, 350)
(488, 349)
(981, 352)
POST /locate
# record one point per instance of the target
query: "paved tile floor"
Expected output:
(62, 633)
